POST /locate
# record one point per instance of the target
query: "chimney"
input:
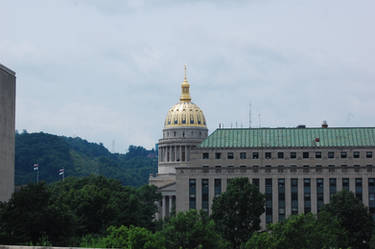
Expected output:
(324, 124)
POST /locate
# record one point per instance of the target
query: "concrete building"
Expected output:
(298, 169)
(7, 131)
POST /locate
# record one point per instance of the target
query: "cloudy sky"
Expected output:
(108, 70)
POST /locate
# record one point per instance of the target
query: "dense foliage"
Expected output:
(79, 158)
(236, 212)
(65, 211)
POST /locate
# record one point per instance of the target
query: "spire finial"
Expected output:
(185, 94)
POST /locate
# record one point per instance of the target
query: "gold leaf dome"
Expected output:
(185, 113)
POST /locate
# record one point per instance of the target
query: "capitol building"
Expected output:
(297, 169)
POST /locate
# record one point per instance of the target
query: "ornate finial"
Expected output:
(185, 93)
(185, 69)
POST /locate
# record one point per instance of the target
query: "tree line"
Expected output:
(78, 157)
(95, 211)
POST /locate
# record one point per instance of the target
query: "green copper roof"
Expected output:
(290, 137)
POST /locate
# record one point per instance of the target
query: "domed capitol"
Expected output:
(298, 169)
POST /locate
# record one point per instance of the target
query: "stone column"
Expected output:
(365, 190)
(288, 197)
(170, 205)
(163, 207)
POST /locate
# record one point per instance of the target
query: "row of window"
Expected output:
(294, 182)
(292, 155)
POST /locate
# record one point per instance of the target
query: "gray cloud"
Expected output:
(109, 70)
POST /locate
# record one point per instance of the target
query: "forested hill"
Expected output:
(79, 158)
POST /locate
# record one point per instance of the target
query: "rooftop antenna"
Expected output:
(250, 114)
(236, 124)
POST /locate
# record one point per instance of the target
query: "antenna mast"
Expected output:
(250, 114)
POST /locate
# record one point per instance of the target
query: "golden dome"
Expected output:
(185, 112)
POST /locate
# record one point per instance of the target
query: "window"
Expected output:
(243, 169)
(344, 168)
(358, 188)
(345, 184)
(217, 155)
(293, 155)
(256, 182)
(217, 187)
(255, 168)
(332, 187)
(230, 155)
(268, 168)
(174, 133)
(318, 154)
(255, 155)
(280, 155)
(371, 196)
(268, 185)
(331, 168)
(205, 155)
(281, 191)
(294, 195)
(293, 168)
(280, 168)
(306, 168)
(318, 168)
(344, 154)
(356, 154)
(305, 154)
(206, 169)
(369, 154)
(230, 169)
(205, 195)
(218, 169)
(192, 192)
(268, 155)
(369, 168)
(243, 155)
(307, 195)
(357, 168)
(331, 154)
(319, 193)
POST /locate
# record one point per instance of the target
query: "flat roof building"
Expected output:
(7, 131)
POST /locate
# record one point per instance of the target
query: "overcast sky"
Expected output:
(109, 70)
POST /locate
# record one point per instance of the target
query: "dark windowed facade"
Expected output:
(217, 155)
(205, 195)
(318, 154)
(305, 155)
(294, 193)
(255, 155)
(331, 154)
(243, 155)
(280, 155)
(369, 154)
(217, 187)
(293, 155)
(343, 154)
(331, 168)
(307, 195)
(206, 156)
(332, 187)
(356, 154)
(268, 185)
(345, 184)
(192, 194)
(281, 190)
(230, 155)
(318, 168)
(319, 193)
(293, 168)
(256, 182)
(371, 196)
(268, 155)
(358, 188)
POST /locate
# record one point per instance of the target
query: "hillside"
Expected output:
(79, 158)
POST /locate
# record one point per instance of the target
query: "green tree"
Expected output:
(300, 232)
(190, 230)
(237, 211)
(132, 238)
(352, 215)
(29, 216)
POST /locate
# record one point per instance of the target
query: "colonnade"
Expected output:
(167, 206)
(174, 153)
